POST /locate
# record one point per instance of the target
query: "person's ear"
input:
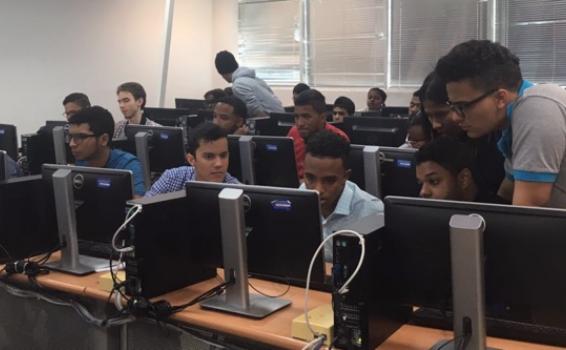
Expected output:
(239, 122)
(104, 139)
(465, 178)
(501, 98)
(191, 159)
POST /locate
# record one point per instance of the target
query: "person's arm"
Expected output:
(506, 190)
(532, 194)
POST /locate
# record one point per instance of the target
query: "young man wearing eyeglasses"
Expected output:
(89, 136)
(485, 86)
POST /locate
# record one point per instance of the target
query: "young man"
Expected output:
(74, 103)
(230, 114)
(444, 121)
(297, 89)
(342, 203)
(208, 157)
(131, 99)
(310, 107)
(415, 104)
(419, 132)
(256, 94)
(212, 96)
(343, 107)
(485, 87)
(89, 137)
(445, 171)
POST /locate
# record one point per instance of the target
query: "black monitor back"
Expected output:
(274, 162)
(377, 131)
(524, 267)
(387, 112)
(28, 224)
(39, 148)
(189, 103)
(166, 116)
(282, 228)
(356, 163)
(100, 199)
(166, 146)
(398, 172)
(9, 140)
(278, 124)
(235, 161)
(3, 165)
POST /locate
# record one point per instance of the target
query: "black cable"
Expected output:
(5, 251)
(272, 296)
(206, 295)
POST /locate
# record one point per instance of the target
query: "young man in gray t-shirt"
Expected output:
(485, 86)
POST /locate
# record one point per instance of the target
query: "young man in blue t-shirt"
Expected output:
(89, 136)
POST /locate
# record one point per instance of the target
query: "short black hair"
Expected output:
(78, 98)
(486, 64)
(421, 120)
(326, 144)
(136, 89)
(436, 90)
(346, 103)
(99, 120)
(240, 109)
(215, 93)
(300, 87)
(449, 153)
(417, 93)
(206, 132)
(225, 62)
(312, 97)
(380, 92)
(228, 90)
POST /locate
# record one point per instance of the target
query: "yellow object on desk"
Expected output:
(321, 320)
(105, 280)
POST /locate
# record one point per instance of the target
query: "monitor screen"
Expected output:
(398, 172)
(28, 224)
(356, 164)
(166, 146)
(524, 257)
(274, 161)
(9, 140)
(100, 197)
(377, 131)
(166, 116)
(282, 227)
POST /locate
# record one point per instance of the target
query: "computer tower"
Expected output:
(368, 313)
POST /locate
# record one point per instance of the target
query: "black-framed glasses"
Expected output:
(78, 138)
(460, 107)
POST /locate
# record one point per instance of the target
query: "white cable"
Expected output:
(343, 289)
(137, 208)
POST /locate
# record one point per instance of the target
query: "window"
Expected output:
(393, 43)
(348, 43)
(536, 32)
(422, 31)
(269, 39)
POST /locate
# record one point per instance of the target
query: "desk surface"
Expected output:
(274, 330)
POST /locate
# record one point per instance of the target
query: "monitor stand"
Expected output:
(71, 261)
(466, 250)
(237, 299)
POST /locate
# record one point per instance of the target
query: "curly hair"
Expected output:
(486, 64)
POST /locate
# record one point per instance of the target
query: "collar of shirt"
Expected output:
(344, 203)
(505, 142)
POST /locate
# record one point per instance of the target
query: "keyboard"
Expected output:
(495, 327)
(96, 249)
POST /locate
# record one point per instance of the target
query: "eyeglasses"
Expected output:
(78, 138)
(460, 107)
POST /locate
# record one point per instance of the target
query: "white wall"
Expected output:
(52, 48)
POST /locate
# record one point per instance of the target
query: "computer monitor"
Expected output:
(28, 225)
(397, 173)
(524, 260)
(193, 104)
(377, 131)
(387, 112)
(274, 161)
(39, 148)
(235, 161)
(282, 227)
(100, 197)
(4, 174)
(9, 140)
(166, 116)
(166, 145)
(278, 124)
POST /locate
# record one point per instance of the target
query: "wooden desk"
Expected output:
(273, 331)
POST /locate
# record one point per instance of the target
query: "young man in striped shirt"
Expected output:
(208, 157)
